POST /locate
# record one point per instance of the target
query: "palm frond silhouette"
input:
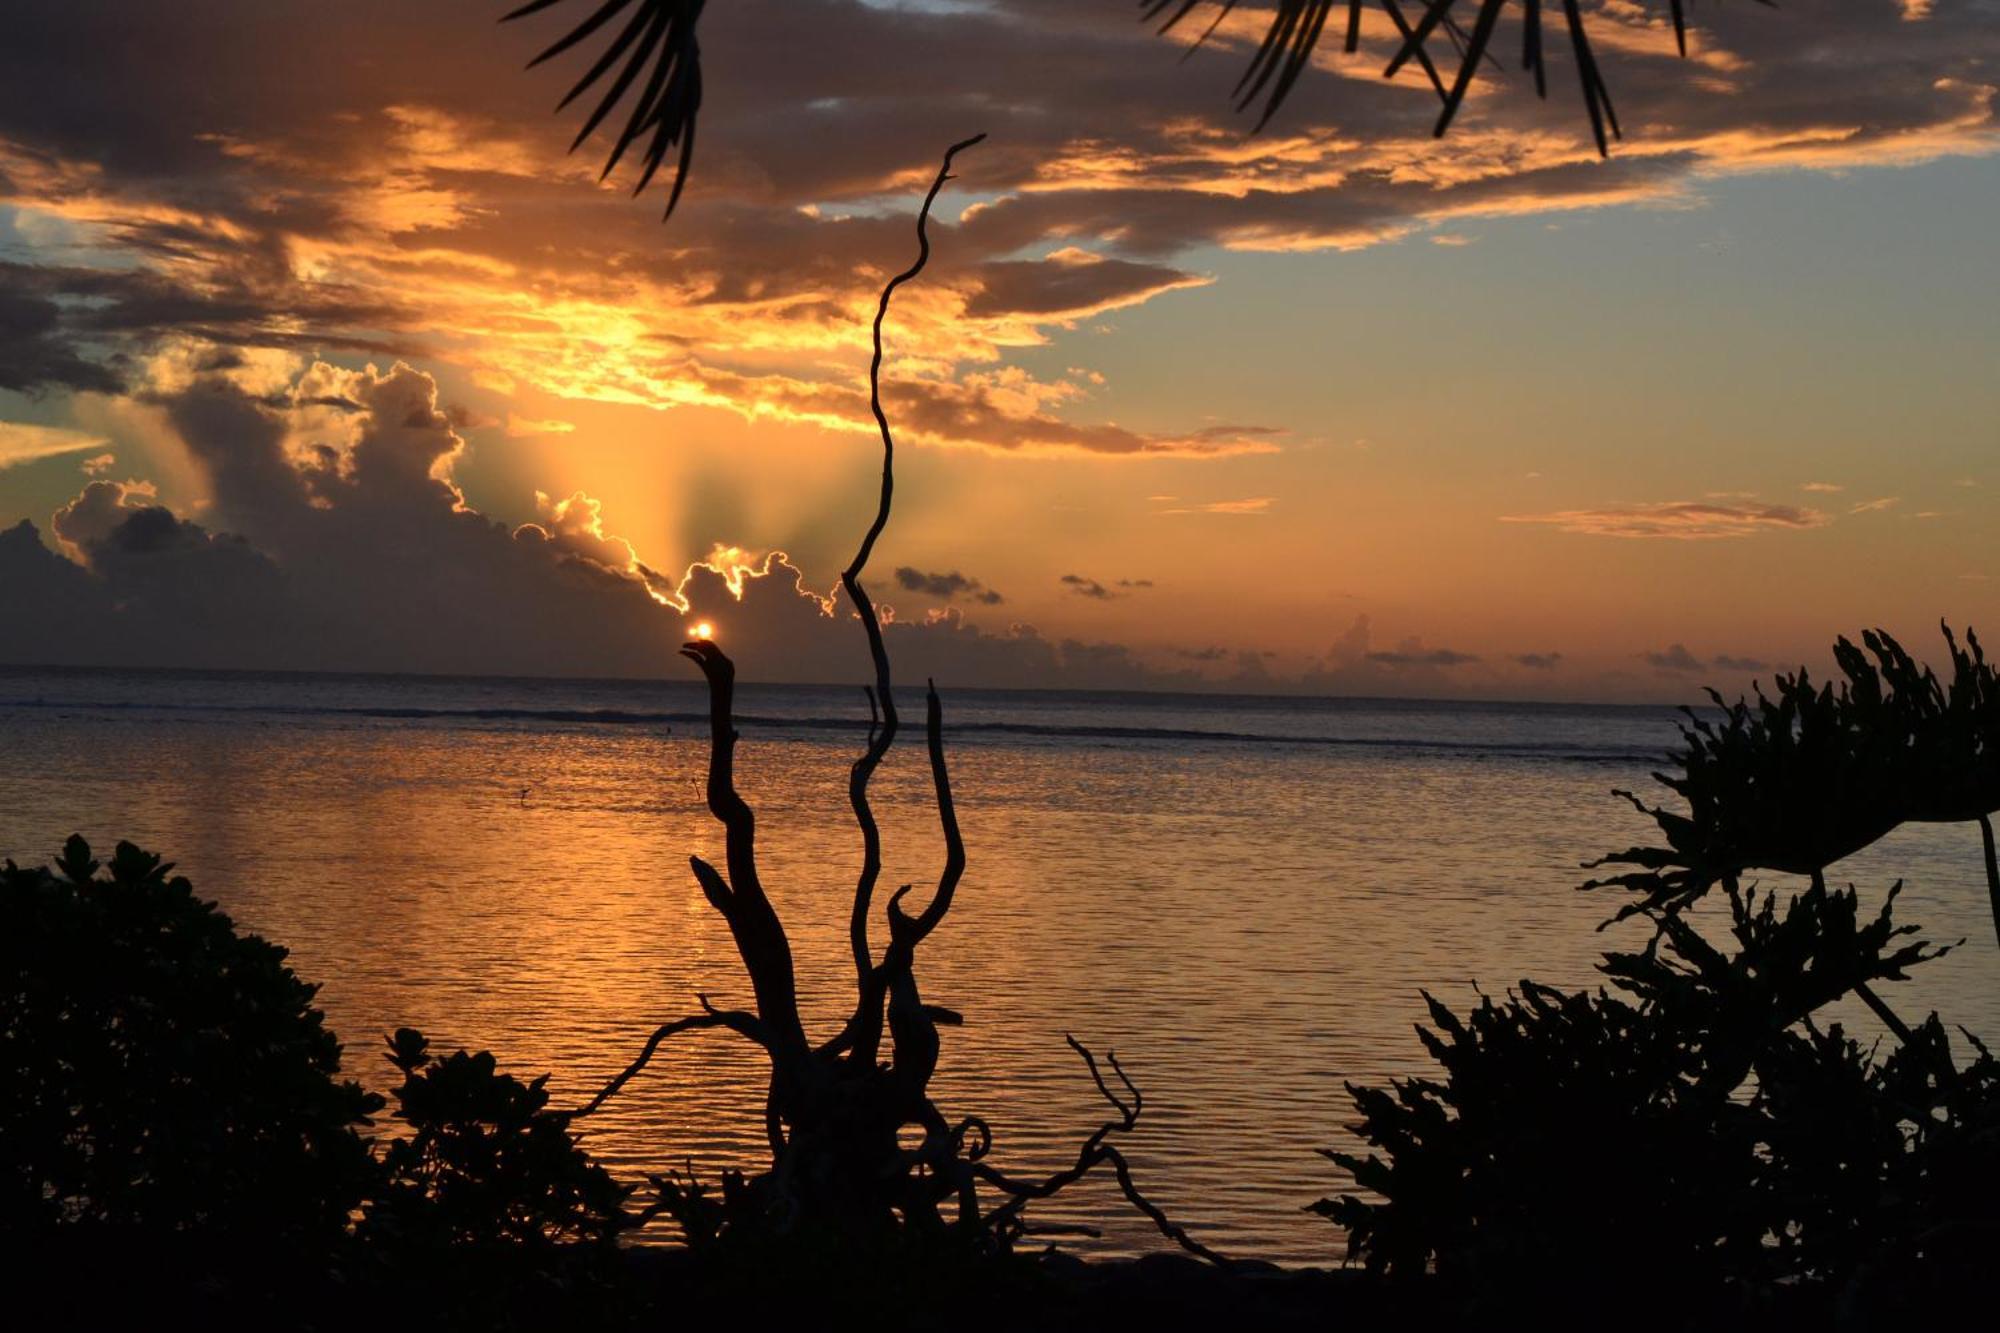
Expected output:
(656, 54)
(1297, 26)
(659, 34)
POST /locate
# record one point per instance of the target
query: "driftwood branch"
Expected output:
(753, 922)
(916, 929)
(834, 1115)
(1007, 1218)
(864, 1031)
(743, 1024)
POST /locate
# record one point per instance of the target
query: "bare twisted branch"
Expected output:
(745, 1025)
(753, 922)
(1007, 1219)
(863, 1033)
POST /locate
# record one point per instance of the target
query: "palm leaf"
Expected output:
(658, 35)
(1296, 26)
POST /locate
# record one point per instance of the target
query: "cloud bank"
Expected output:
(347, 190)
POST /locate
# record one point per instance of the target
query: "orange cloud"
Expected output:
(1680, 520)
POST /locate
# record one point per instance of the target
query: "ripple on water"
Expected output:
(1248, 928)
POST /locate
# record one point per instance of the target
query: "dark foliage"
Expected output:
(659, 34)
(1814, 773)
(1297, 26)
(485, 1162)
(1579, 1145)
(160, 1072)
(657, 41)
(1566, 1142)
(171, 1111)
(1701, 1121)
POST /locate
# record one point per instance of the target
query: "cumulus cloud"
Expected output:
(1538, 661)
(1679, 520)
(1731, 662)
(1674, 658)
(1353, 666)
(946, 586)
(337, 538)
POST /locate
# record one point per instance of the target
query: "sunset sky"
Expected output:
(305, 317)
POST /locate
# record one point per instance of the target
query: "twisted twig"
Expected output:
(863, 1033)
(1006, 1219)
(745, 1025)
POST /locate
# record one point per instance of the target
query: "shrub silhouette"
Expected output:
(170, 1109)
(160, 1072)
(1701, 1121)
(486, 1162)
(1812, 774)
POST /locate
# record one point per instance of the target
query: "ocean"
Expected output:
(1244, 897)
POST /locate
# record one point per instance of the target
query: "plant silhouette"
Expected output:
(1798, 781)
(486, 1162)
(171, 1111)
(1705, 1118)
(1700, 1122)
(159, 1073)
(859, 1150)
(1296, 27)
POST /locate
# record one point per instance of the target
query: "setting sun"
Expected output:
(704, 630)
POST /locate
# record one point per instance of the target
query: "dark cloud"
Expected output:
(291, 176)
(1423, 657)
(1352, 666)
(1728, 662)
(1676, 657)
(946, 586)
(1098, 591)
(359, 553)
(1538, 661)
(1070, 285)
(37, 353)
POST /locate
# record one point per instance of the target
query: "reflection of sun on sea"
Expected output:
(703, 630)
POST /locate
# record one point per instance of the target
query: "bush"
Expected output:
(1702, 1125)
(486, 1162)
(160, 1072)
(1568, 1141)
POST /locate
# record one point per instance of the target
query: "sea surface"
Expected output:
(1243, 897)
